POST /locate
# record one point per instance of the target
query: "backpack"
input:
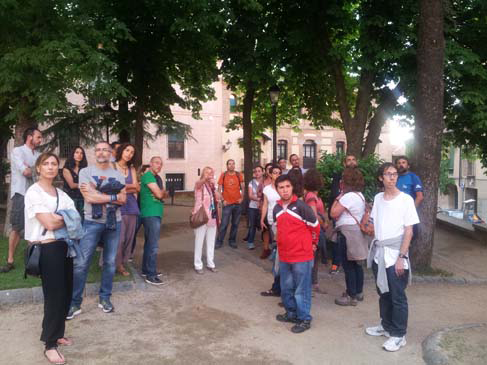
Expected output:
(225, 174)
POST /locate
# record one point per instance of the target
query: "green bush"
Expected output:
(331, 164)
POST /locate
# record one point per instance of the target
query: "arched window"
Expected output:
(309, 154)
(282, 149)
(233, 103)
(340, 146)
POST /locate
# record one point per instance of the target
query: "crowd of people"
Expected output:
(104, 205)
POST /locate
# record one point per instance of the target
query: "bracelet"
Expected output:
(113, 197)
(403, 256)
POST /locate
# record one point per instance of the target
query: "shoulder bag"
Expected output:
(199, 218)
(365, 224)
(32, 253)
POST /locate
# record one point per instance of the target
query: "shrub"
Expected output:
(332, 164)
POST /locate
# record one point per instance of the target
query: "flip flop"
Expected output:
(61, 362)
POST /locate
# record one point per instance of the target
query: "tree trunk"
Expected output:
(429, 123)
(139, 134)
(248, 103)
(382, 113)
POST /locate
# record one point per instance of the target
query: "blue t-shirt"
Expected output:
(409, 183)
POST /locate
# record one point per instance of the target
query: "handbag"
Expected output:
(32, 253)
(199, 218)
(366, 225)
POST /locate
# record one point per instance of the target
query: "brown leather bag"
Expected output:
(199, 218)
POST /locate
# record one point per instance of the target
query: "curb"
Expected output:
(432, 351)
(35, 295)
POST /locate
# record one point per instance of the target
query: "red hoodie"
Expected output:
(297, 229)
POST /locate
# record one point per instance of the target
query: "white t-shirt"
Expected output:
(38, 201)
(272, 198)
(254, 185)
(355, 203)
(390, 218)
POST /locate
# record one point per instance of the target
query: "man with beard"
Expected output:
(409, 182)
(22, 163)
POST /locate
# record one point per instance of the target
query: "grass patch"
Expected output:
(15, 278)
(432, 271)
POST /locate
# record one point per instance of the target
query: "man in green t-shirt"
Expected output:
(151, 209)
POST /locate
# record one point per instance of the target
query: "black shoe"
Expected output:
(301, 326)
(154, 281)
(218, 246)
(233, 245)
(270, 293)
(8, 267)
(286, 318)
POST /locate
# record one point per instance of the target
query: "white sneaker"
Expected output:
(394, 343)
(377, 331)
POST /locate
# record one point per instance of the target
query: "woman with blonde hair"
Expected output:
(205, 195)
(43, 201)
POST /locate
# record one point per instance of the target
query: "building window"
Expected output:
(340, 147)
(67, 142)
(309, 155)
(282, 149)
(233, 103)
(175, 144)
(174, 182)
(451, 161)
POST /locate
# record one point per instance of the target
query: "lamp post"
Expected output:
(274, 96)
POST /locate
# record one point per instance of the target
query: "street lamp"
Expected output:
(274, 96)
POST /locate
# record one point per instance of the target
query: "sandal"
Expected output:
(60, 358)
(64, 341)
(122, 271)
(269, 293)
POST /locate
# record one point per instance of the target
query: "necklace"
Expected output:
(124, 169)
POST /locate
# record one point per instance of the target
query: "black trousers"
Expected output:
(354, 272)
(57, 286)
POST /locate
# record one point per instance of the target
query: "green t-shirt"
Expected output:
(150, 206)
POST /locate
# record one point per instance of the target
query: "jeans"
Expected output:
(354, 272)
(296, 288)
(152, 231)
(234, 211)
(94, 232)
(254, 219)
(393, 305)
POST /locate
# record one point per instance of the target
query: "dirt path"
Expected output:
(221, 319)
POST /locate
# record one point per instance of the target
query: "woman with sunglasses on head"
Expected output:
(130, 210)
(74, 163)
(42, 202)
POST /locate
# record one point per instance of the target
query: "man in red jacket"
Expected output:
(298, 231)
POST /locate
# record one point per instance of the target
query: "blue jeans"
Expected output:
(94, 232)
(296, 288)
(254, 219)
(393, 305)
(152, 232)
(232, 211)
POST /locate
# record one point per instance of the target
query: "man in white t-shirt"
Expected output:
(394, 215)
(22, 161)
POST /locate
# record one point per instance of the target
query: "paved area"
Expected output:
(221, 318)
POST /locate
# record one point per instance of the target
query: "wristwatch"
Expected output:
(402, 256)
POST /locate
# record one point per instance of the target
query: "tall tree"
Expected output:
(169, 59)
(248, 51)
(429, 123)
(343, 54)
